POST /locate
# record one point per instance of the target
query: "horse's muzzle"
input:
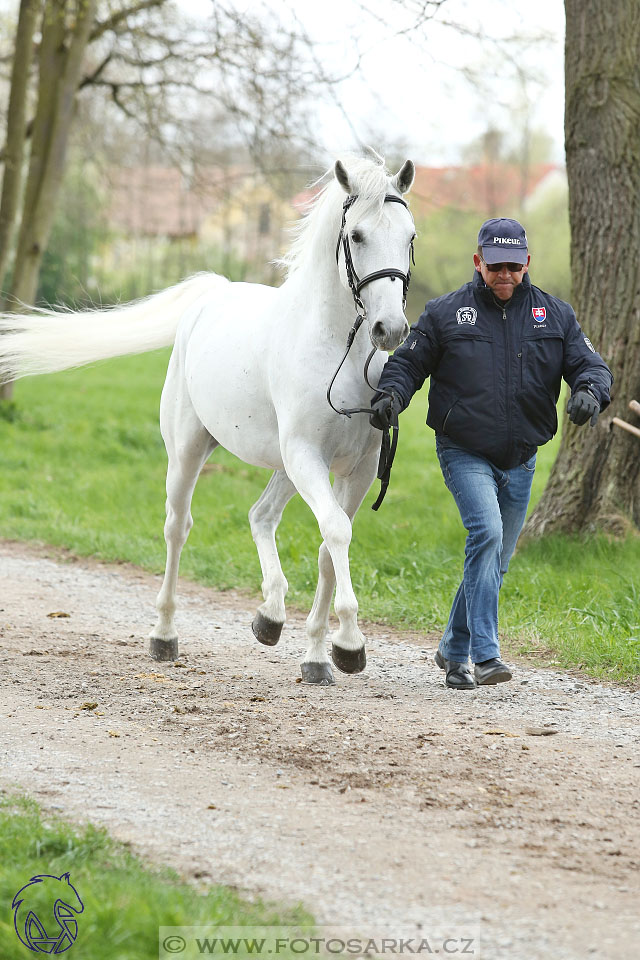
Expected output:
(388, 336)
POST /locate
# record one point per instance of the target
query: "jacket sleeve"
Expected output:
(583, 367)
(406, 370)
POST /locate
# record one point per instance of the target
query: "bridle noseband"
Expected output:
(356, 284)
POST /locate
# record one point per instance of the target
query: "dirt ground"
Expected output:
(386, 802)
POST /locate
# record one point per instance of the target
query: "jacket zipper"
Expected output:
(507, 344)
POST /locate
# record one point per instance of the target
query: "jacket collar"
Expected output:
(485, 293)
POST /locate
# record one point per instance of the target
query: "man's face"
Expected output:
(503, 281)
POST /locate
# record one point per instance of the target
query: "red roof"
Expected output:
(488, 189)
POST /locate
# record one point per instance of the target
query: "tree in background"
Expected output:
(154, 67)
(490, 184)
(65, 27)
(595, 481)
(547, 225)
(16, 128)
(79, 229)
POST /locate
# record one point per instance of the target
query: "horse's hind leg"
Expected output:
(188, 445)
(264, 517)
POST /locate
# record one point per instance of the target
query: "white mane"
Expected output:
(319, 227)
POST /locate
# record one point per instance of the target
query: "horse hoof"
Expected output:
(319, 673)
(163, 649)
(265, 630)
(349, 661)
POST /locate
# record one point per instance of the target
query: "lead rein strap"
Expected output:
(387, 454)
(388, 447)
(350, 338)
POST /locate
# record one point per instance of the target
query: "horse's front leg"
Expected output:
(310, 475)
(264, 517)
(349, 491)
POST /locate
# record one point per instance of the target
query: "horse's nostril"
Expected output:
(379, 332)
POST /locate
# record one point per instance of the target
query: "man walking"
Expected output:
(496, 351)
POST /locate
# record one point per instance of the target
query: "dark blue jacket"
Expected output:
(496, 371)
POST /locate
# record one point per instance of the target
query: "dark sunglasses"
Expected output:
(497, 267)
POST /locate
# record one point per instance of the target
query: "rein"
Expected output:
(389, 443)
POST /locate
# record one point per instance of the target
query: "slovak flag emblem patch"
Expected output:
(539, 314)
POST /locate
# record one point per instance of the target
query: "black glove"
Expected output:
(583, 406)
(382, 412)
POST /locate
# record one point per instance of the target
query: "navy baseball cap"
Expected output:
(503, 240)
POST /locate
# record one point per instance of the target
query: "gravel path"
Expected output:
(386, 802)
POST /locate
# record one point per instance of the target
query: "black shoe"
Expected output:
(492, 671)
(458, 676)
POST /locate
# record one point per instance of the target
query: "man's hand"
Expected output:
(382, 412)
(583, 406)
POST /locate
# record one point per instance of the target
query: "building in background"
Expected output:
(235, 214)
(169, 222)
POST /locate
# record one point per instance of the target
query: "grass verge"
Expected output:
(84, 466)
(125, 902)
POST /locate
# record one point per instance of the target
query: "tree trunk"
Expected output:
(66, 27)
(16, 128)
(595, 481)
(61, 51)
(15, 142)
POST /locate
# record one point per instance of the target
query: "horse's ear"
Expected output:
(404, 177)
(342, 176)
(374, 155)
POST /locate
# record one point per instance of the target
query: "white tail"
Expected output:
(50, 340)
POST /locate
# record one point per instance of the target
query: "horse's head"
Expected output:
(375, 246)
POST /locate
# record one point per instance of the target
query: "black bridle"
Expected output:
(389, 443)
(355, 283)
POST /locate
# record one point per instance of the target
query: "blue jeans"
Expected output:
(493, 505)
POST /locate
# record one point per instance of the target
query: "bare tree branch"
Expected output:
(119, 18)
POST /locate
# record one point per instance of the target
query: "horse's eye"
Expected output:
(356, 236)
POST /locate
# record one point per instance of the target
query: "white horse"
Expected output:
(249, 372)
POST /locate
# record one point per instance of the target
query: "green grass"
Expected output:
(83, 467)
(125, 902)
